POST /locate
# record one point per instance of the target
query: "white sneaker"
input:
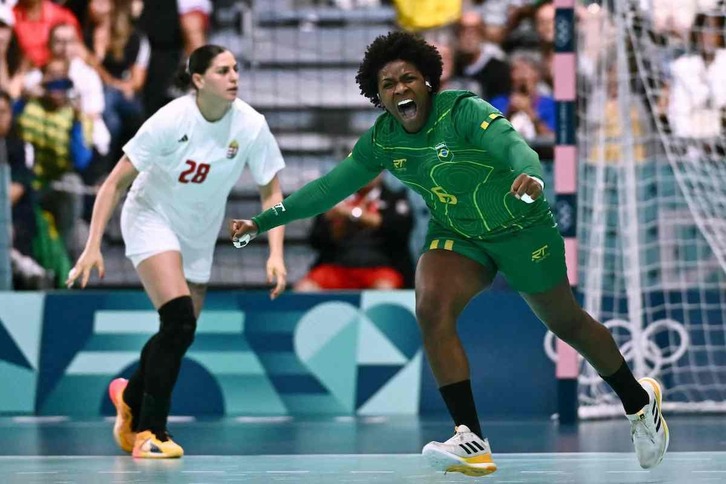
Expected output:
(648, 428)
(465, 452)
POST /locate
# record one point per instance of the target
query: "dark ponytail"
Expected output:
(198, 63)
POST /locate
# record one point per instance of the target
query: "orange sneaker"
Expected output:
(122, 433)
(149, 446)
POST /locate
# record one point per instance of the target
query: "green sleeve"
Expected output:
(320, 195)
(485, 127)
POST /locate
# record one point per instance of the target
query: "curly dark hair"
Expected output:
(397, 46)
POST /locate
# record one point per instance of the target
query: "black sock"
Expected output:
(164, 354)
(154, 412)
(134, 392)
(633, 396)
(460, 402)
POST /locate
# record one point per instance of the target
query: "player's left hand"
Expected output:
(276, 272)
(526, 188)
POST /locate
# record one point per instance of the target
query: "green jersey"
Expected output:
(462, 162)
(448, 162)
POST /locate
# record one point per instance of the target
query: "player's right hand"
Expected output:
(242, 232)
(89, 259)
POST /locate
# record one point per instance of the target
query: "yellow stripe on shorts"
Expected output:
(434, 244)
(449, 245)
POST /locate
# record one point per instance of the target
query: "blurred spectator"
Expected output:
(519, 31)
(33, 21)
(121, 56)
(12, 62)
(174, 28)
(606, 135)
(448, 79)
(478, 59)
(64, 44)
(544, 21)
(674, 18)
(596, 37)
(61, 136)
(495, 12)
(21, 190)
(697, 97)
(434, 19)
(27, 273)
(363, 242)
(528, 106)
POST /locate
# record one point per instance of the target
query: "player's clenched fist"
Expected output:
(526, 188)
(242, 231)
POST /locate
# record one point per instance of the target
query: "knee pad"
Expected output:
(178, 324)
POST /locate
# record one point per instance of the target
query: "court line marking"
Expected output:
(181, 418)
(582, 456)
(273, 419)
(40, 419)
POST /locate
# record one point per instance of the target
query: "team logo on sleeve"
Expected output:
(232, 149)
(443, 152)
(278, 208)
(541, 253)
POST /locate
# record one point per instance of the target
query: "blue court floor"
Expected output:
(354, 450)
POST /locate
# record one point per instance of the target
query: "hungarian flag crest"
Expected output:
(232, 149)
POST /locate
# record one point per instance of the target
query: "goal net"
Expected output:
(652, 195)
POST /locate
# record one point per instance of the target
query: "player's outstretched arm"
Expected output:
(107, 198)
(316, 197)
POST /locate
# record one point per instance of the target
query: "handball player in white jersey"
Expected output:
(183, 162)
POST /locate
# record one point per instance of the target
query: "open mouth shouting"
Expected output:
(407, 109)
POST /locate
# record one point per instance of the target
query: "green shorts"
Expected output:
(532, 259)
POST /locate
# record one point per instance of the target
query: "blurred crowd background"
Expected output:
(78, 77)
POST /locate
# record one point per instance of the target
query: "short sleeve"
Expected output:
(152, 140)
(264, 158)
(92, 101)
(472, 116)
(144, 53)
(364, 152)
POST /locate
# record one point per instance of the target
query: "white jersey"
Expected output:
(188, 165)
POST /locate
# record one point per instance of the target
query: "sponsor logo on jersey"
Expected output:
(278, 206)
(443, 152)
(399, 164)
(232, 149)
(540, 254)
(183, 139)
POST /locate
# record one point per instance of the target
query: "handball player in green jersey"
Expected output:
(483, 186)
